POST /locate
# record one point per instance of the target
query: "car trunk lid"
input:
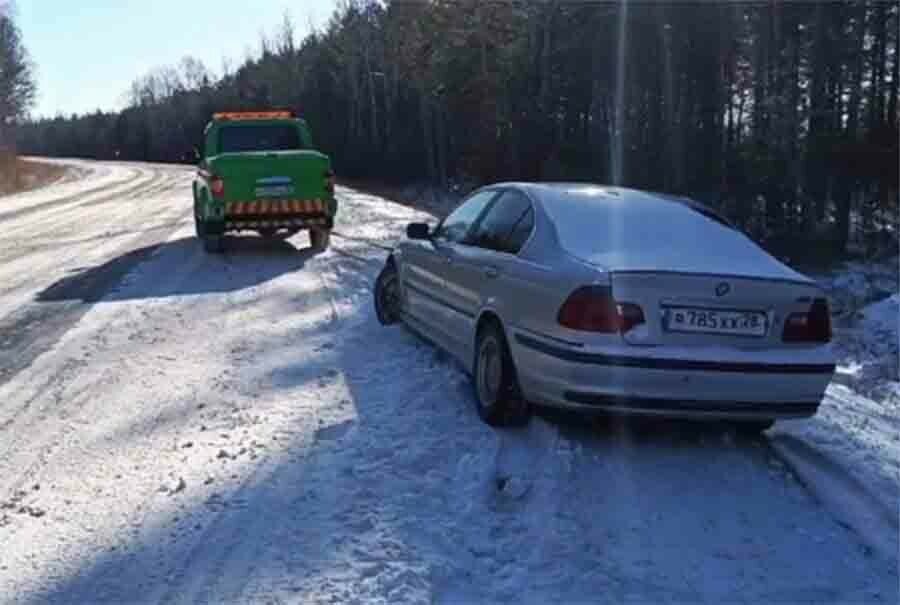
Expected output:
(704, 309)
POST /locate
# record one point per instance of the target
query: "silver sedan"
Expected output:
(607, 299)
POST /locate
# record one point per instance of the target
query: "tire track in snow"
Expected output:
(53, 227)
(35, 328)
(155, 177)
(66, 199)
(222, 576)
(54, 222)
(201, 573)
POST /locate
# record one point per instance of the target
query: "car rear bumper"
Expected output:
(707, 383)
(681, 408)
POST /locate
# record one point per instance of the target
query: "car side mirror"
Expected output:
(418, 231)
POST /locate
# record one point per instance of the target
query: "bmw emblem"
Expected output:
(723, 289)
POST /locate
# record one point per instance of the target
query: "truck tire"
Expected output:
(198, 223)
(214, 244)
(320, 239)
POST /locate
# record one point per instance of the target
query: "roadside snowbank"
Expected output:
(855, 436)
(868, 352)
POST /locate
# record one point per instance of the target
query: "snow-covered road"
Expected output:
(183, 428)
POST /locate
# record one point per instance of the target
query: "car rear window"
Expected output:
(602, 225)
(259, 137)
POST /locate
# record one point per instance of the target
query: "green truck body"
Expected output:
(259, 172)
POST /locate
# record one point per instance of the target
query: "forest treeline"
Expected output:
(782, 114)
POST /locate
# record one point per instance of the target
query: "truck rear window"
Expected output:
(259, 137)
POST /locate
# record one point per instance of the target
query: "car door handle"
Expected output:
(491, 272)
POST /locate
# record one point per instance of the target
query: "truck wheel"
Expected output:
(214, 244)
(319, 238)
(198, 223)
(279, 234)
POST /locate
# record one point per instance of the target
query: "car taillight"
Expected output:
(217, 186)
(812, 326)
(593, 309)
(329, 181)
(630, 315)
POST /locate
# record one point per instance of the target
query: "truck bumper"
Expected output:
(278, 214)
(277, 222)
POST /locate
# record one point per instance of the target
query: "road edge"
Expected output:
(852, 504)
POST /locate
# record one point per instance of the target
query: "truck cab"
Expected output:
(259, 172)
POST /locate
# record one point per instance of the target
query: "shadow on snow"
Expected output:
(247, 261)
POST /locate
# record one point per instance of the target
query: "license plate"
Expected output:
(274, 190)
(714, 321)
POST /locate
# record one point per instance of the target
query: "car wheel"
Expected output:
(497, 394)
(319, 238)
(753, 428)
(278, 234)
(387, 295)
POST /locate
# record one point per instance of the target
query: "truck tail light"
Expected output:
(811, 326)
(329, 181)
(593, 309)
(217, 186)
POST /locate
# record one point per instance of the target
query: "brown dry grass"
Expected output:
(17, 174)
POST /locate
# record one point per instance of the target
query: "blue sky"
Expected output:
(87, 52)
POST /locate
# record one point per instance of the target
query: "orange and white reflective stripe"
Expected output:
(277, 207)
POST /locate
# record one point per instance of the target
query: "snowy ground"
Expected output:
(857, 431)
(183, 428)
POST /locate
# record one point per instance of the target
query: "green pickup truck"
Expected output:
(259, 172)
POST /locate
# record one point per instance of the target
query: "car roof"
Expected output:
(544, 192)
(622, 229)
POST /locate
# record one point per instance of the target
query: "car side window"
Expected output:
(521, 232)
(506, 225)
(456, 226)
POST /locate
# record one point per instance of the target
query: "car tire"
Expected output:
(498, 397)
(320, 239)
(387, 295)
(753, 428)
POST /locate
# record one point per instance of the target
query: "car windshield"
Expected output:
(259, 137)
